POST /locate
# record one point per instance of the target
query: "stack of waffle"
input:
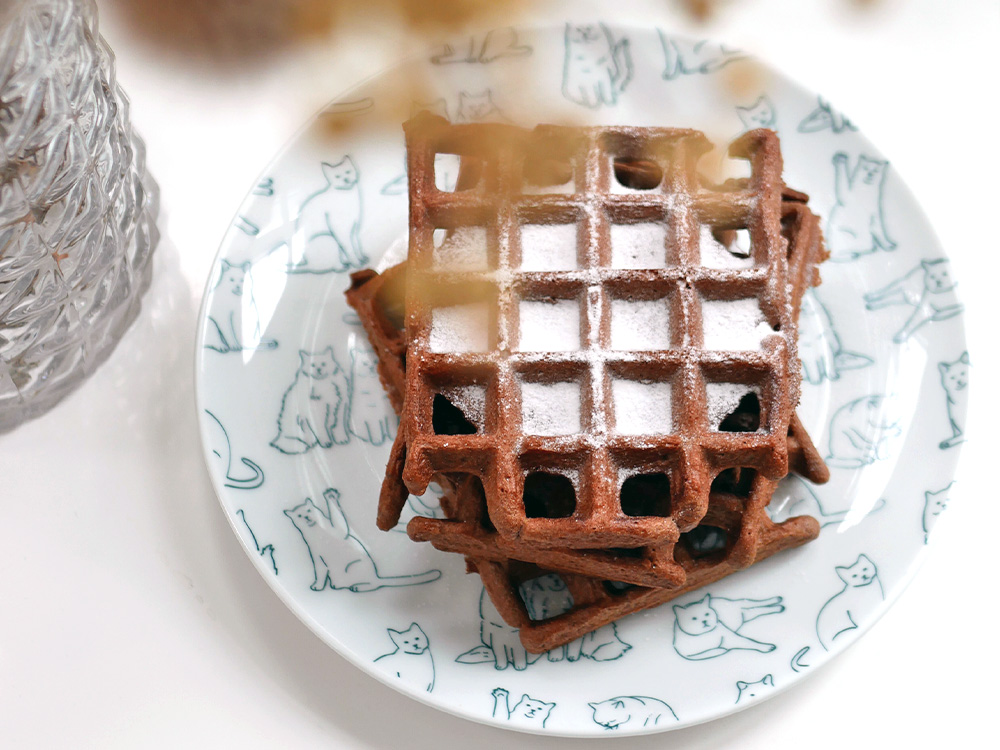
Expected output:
(593, 352)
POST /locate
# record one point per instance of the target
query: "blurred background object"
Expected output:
(77, 209)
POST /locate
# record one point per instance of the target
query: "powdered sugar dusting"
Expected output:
(460, 328)
(470, 400)
(716, 255)
(734, 325)
(550, 408)
(641, 245)
(548, 247)
(463, 249)
(549, 326)
(723, 398)
(640, 325)
(641, 408)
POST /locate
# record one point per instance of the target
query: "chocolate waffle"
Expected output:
(507, 382)
(378, 299)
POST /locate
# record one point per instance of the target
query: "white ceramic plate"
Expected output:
(884, 394)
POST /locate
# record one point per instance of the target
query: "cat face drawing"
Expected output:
(696, 618)
(546, 596)
(760, 114)
(477, 107)
(870, 171)
(955, 375)
(861, 573)
(934, 505)
(747, 691)
(585, 33)
(409, 641)
(527, 709)
(343, 175)
(937, 276)
(232, 277)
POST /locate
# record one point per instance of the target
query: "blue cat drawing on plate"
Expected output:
(296, 430)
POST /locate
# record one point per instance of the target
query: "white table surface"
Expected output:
(129, 614)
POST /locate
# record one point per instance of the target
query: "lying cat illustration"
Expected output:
(633, 711)
(856, 225)
(747, 691)
(860, 432)
(824, 117)
(823, 356)
(341, 560)
(760, 114)
(862, 595)
(223, 453)
(327, 232)
(478, 107)
(235, 322)
(796, 498)
(500, 643)
(955, 381)
(925, 288)
(494, 45)
(597, 67)
(686, 57)
(314, 408)
(267, 551)
(710, 626)
(371, 419)
(934, 505)
(411, 661)
(528, 709)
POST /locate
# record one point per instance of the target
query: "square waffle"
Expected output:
(555, 437)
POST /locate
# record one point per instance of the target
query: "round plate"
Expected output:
(280, 352)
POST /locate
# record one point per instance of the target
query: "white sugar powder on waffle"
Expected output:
(715, 255)
(470, 400)
(641, 408)
(642, 325)
(723, 398)
(548, 247)
(734, 325)
(549, 326)
(640, 245)
(550, 408)
(460, 328)
(463, 249)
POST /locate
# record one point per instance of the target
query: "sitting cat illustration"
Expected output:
(411, 661)
(760, 114)
(686, 57)
(856, 225)
(925, 288)
(934, 505)
(528, 709)
(596, 66)
(340, 559)
(955, 381)
(548, 596)
(824, 117)
(710, 626)
(371, 418)
(494, 45)
(314, 408)
(327, 231)
(223, 453)
(631, 710)
(796, 498)
(822, 354)
(861, 596)
(267, 551)
(747, 691)
(860, 432)
(235, 322)
(500, 644)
